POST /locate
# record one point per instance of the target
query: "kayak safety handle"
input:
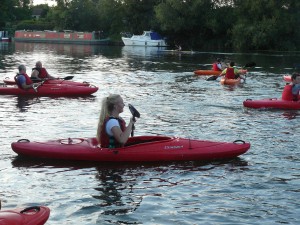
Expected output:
(93, 86)
(23, 140)
(239, 141)
(35, 208)
(248, 99)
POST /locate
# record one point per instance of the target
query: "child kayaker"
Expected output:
(112, 131)
(291, 91)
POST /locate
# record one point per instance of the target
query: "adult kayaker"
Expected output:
(112, 131)
(291, 91)
(231, 72)
(218, 65)
(23, 80)
(40, 73)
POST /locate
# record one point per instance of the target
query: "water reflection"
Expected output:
(24, 102)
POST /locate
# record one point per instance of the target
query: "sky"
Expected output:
(49, 2)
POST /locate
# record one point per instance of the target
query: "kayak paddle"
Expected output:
(249, 64)
(134, 113)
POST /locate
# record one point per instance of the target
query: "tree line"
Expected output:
(239, 25)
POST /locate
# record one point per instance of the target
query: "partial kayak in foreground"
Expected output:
(273, 103)
(36, 215)
(58, 90)
(54, 81)
(137, 149)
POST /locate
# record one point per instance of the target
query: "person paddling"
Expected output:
(218, 65)
(112, 131)
(40, 73)
(23, 80)
(231, 72)
(291, 91)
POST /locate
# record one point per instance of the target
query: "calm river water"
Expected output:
(260, 187)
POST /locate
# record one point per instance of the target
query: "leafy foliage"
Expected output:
(216, 24)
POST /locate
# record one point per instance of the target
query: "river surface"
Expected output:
(259, 187)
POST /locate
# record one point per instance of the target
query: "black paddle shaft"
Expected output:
(134, 113)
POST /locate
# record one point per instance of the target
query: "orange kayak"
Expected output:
(213, 72)
(207, 72)
(225, 81)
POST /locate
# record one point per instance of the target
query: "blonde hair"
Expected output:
(107, 107)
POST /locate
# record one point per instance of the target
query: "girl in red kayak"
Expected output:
(112, 131)
(291, 91)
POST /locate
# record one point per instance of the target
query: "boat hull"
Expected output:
(50, 90)
(85, 38)
(141, 42)
(55, 81)
(225, 81)
(37, 215)
(273, 103)
(138, 149)
(207, 72)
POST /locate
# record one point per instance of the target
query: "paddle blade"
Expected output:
(212, 78)
(68, 78)
(250, 64)
(133, 111)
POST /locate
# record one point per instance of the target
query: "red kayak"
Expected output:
(273, 103)
(137, 149)
(58, 90)
(54, 81)
(36, 215)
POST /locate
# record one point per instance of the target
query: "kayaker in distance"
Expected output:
(23, 80)
(291, 91)
(231, 72)
(112, 131)
(40, 73)
(218, 65)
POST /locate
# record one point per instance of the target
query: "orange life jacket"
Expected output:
(109, 141)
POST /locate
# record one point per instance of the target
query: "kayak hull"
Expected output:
(207, 72)
(272, 103)
(37, 215)
(213, 72)
(54, 81)
(137, 149)
(225, 81)
(50, 90)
